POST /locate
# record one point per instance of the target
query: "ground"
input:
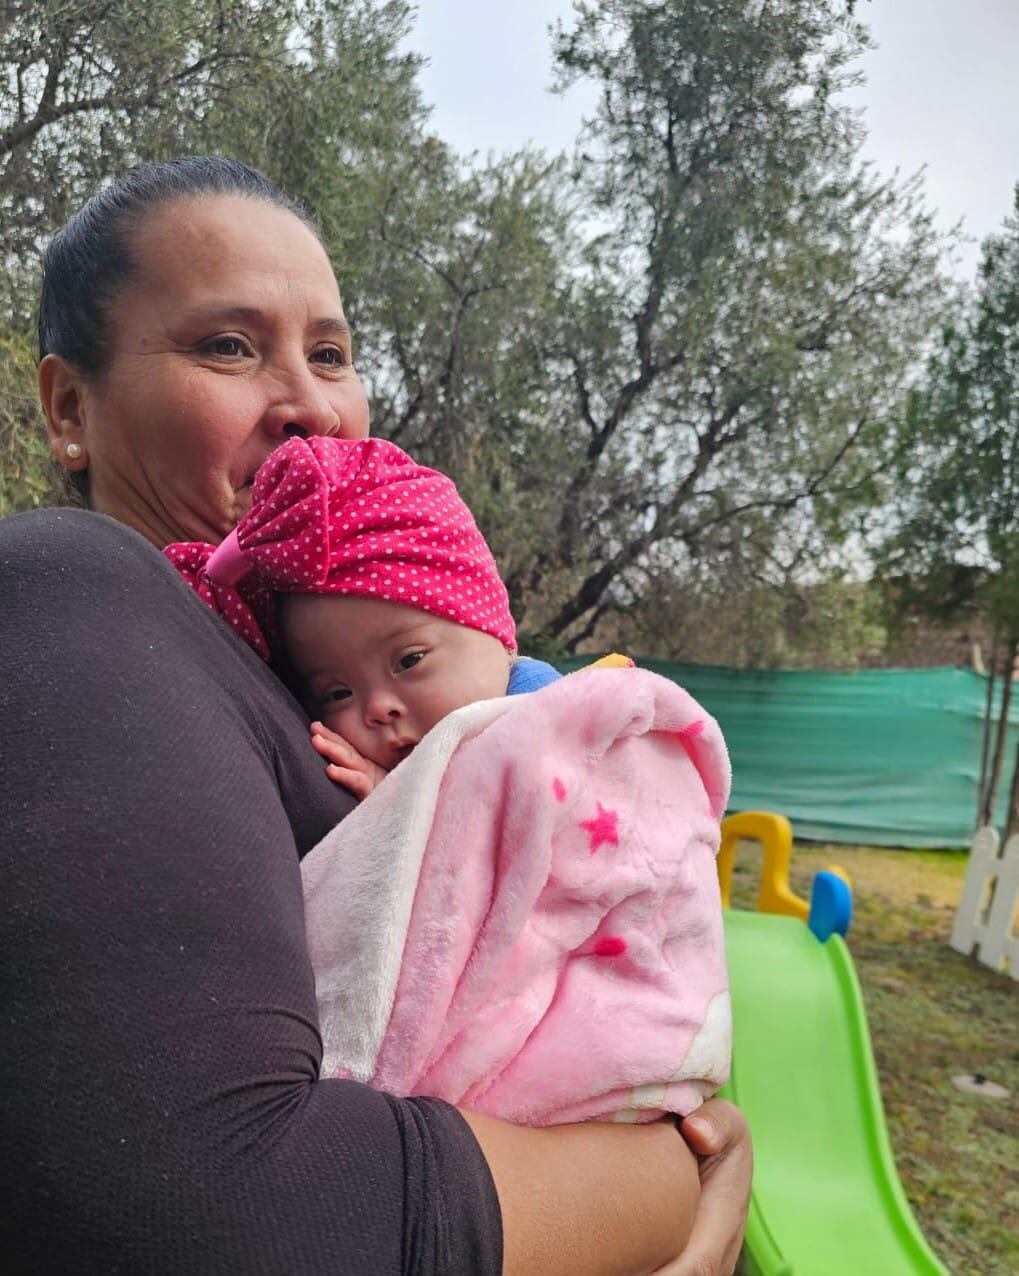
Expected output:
(933, 1014)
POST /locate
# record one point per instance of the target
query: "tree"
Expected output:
(90, 85)
(956, 500)
(469, 280)
(742, 307)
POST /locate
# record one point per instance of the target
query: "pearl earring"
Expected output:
(74, 451)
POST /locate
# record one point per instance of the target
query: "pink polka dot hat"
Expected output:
(355, 517)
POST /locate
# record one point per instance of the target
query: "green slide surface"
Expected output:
(827, 1200)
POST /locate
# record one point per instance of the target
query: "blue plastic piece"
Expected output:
(831, 906)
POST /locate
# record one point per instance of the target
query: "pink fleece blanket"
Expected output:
(524, 917)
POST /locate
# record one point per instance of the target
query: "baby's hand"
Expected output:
(343, 762)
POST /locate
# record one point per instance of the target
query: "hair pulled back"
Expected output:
(89, 261)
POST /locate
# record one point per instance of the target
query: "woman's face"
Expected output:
(229, 339)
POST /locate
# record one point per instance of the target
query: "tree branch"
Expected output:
(49, 112)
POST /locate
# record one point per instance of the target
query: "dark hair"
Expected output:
(89, 260)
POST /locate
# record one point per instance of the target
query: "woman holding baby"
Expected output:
(165, 1110)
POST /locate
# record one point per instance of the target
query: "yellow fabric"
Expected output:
(612, 661)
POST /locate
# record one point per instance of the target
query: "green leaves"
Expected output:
(28, 478)
(957, 456)
(768, 300)
(314, 92)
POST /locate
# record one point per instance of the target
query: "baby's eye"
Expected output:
(336, 695)
(410, 660)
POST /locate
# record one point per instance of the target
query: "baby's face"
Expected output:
(381, 674)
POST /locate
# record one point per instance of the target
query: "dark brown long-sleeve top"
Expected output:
(162, 1111)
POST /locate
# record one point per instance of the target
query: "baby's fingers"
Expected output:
(319, 730)
(333, 747)
(356, 782)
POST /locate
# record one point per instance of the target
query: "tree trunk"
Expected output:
(1012, 819)
(985, 744)
(1002, 732)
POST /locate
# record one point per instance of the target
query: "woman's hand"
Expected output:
(344, 764)
(718, 1133)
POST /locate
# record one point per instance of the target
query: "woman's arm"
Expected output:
(164, 1112)
(601, 1200)
(590, 1200)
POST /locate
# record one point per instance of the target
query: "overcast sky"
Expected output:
(942, 92)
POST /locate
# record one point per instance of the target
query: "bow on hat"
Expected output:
(236, 578)
(353, 517)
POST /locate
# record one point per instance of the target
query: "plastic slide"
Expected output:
(827, 1200)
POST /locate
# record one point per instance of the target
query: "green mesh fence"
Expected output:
(887, 757)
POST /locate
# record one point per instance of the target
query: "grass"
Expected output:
(933, 1015)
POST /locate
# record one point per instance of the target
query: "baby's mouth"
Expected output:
(402, 751)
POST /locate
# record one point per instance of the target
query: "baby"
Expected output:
(390, 611)
(525, 919)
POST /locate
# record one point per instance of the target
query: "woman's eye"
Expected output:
(227, 347)
(337, 695)
(331, 356)
(411, 659)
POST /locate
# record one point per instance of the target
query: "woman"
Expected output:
(159, 788)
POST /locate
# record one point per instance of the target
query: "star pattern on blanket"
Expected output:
(604, 828)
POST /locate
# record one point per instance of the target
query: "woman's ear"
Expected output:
(60, 391)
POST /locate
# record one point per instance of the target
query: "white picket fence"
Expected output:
(985, 923)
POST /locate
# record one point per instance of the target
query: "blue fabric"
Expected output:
(530, 675)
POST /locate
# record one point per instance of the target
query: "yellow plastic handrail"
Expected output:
(775, 835)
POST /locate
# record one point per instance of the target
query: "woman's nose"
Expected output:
(302, 410)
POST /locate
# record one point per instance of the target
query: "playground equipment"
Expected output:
(826, 1199)
(985, 918)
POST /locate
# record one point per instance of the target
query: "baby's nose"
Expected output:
(382, 707)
